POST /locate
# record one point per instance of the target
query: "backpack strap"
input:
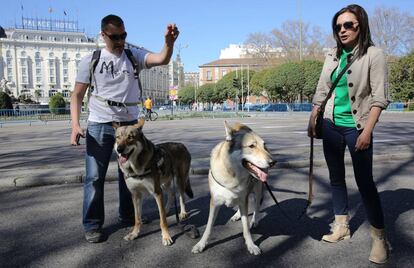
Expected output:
(92, 66)
(134, 62)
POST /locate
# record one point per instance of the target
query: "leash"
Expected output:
(189, 229)
(310, 192)
(277, 203)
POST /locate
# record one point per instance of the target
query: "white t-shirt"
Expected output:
(113, 80)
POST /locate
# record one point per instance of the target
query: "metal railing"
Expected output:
(46, 115)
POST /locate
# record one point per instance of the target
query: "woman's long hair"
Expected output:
(364, 37)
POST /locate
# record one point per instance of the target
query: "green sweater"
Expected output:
(342, 106)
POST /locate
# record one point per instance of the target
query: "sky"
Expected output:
(205, 27)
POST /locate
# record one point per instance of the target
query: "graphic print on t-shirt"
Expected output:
(107, 66)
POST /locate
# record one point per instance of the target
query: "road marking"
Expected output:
(379, 141)
(275, 126)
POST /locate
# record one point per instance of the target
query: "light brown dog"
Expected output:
(148, 169)
(238, 166)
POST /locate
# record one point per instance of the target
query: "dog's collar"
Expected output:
(211, 172)
(147, 171)
(140, 176)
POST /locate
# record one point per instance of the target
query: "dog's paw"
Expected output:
(236, 216)
(198, 248)
(167, 240)
(253, 249)
(131, 236)
(183, 215)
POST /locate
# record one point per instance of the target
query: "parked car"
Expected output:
(275, 107)
(164, 107)
(253, 107)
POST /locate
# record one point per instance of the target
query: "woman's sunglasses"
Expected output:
(347, 25)
(117, 37)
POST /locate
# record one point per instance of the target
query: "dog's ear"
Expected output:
(116, 125)
(229, 131)
(140, 124)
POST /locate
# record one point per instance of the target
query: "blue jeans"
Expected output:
(335, 139)
(100, 139)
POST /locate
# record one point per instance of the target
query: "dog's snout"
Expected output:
(120, 148)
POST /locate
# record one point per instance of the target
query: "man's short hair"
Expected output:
(111, 19)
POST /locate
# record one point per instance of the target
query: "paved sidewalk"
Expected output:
(41, 226)
(41, 155)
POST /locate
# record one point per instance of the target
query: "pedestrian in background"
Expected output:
(114, 98)
(350, 116)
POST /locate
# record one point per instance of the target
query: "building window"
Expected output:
(9, 64)
(38, 67)
(65, 64)
(209, 78)
(66, 93)
(52, 69)
(77, 61)
(39, 93)
(52, 92)
(223, 72)
(23, 67)
(25, 93)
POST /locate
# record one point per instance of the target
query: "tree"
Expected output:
(259, 45)
(5, 101)
(38, 94)
(285, 83)
(402, 78)
(226, 89)
(257, 83)
(288, 38)
(311, 71)
(392, 30)
(57, 104)
(186, 94)
(285, 42)
(206, 93)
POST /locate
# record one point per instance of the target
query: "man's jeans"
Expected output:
(99, 144)
(335, 139)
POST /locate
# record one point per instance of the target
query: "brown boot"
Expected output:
(379, 250)
(340, 230)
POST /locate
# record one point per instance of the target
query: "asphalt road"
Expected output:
(41, 226)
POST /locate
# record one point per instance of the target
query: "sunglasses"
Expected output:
(117, 37)
(347, 25)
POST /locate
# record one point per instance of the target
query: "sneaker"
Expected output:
(95, 236)
(131, 221)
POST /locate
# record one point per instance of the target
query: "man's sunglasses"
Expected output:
(117, 37)
(347, 25)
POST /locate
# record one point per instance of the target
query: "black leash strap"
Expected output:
(277, 203)
(310, 192)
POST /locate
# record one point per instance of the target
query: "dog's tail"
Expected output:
(188, 189)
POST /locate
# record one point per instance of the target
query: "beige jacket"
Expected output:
(367, 84)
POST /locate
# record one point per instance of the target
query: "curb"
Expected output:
(113, 176)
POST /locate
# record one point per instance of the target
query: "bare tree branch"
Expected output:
(392, 30)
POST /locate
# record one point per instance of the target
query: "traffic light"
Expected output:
(236, 82)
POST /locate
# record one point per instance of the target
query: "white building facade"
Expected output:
(41, 58)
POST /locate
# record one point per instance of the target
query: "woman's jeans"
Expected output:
(100, 139)
(335, 139)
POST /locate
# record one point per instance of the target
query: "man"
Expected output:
(148, 105)
(114, 96)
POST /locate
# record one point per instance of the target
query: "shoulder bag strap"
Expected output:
(322, 108)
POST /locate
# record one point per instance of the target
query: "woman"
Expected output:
(349, 120)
